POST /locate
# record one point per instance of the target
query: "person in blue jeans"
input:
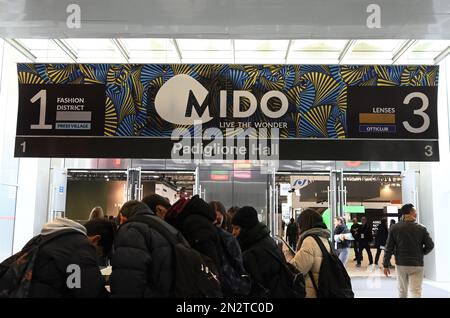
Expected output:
(341, 239)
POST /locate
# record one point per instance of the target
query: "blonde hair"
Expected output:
(96, 213)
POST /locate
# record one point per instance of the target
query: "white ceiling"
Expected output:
(227, 19)
(158, 50)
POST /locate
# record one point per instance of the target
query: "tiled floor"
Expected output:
(370, 282)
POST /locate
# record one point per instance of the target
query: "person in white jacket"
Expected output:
(309, 256)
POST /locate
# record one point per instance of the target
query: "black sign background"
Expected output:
(401, 146)
(94, 101)
(364, 99)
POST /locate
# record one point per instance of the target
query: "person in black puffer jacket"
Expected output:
(142, 263)
(257, 246)
(194, 218)
(71, 244)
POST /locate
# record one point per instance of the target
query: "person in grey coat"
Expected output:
(409, 242)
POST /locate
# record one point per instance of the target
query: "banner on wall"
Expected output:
(317, 112)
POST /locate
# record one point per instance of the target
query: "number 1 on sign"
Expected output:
(42, 95)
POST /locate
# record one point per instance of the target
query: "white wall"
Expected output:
(434, 189)
(8, 164)
(32, 199)
(24, 182)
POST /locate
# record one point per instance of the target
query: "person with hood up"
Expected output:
(195, 218)
(309, 256)
(259, 251)
(71, 245)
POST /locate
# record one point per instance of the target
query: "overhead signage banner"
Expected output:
(311, 112)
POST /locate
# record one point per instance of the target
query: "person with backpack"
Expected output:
(60, 262)
(233, 276)
(194, 219)
(142, 262)
(262, 258)
(309, 256)
(326, 276)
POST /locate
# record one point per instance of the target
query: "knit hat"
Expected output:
(246, 217)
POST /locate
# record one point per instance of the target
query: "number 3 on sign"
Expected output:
(428, 151)
(42, 95)
(420, 112)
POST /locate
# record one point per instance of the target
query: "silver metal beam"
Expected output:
(177, 48)
(442, 55)
(348, 48)
(123, 51)
(287, 51)
(66, 49)
(234, 51)
(404, 48)
(22, 49)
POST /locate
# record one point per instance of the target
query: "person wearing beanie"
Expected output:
(309, 255)
(259, 251)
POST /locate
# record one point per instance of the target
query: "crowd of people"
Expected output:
(156, 249)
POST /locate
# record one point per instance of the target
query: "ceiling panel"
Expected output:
(377, 45)
(46, 51)
(153, 50)
(204, 45)
(207, 54)
(260, 54)
(261, 45)
(318, 45)
(148, 44)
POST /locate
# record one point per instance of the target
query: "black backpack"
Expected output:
(16, 272)
(233, 276)
(195, 276)
(293, 282)
(334, 281)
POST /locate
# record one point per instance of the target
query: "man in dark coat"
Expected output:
(194, 218)
(409, 241)
(142, 263)
(354, 230)
(381, 238)
(365, 239)
(71, 245)
(257, 249)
